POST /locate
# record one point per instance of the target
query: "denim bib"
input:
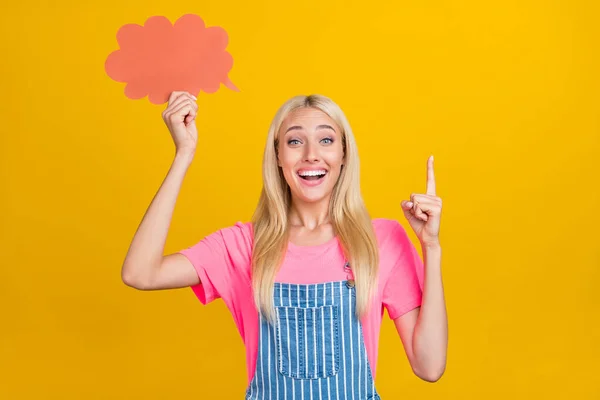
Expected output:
(316, 348)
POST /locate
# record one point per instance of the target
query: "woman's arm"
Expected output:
(424, 330)
(144, 266)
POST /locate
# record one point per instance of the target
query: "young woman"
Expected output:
(306, 280)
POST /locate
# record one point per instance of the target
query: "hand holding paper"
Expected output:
(180, 118)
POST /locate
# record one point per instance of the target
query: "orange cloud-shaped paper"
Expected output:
(159, 58)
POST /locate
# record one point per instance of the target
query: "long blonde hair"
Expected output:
(348, 215)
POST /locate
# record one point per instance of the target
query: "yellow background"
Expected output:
(506, 97)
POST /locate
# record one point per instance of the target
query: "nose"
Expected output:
(311, 152)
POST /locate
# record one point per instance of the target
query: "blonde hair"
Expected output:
(347, 212)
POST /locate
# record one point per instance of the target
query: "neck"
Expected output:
(309, 215)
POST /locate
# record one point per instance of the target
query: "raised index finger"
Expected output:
(430, 177)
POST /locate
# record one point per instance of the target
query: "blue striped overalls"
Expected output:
(316, 349)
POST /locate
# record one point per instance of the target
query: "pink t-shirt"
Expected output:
(222, 261)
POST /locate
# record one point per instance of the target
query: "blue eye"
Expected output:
(291, 141)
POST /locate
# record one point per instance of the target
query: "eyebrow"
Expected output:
(298, 127)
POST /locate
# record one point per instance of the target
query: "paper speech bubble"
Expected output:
(159, 58)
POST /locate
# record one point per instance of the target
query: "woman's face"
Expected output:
(310, 143)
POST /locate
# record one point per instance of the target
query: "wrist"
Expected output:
(184, 156)
(433, 245)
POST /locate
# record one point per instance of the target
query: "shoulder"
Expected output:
(402, 268)
(388, 230)
(241, 228)
(239, 234)
(384, 224)
(232, 239)
(392, 239)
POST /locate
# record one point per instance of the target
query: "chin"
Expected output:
(312, 198)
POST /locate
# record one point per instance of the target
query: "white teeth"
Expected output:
(312, 173)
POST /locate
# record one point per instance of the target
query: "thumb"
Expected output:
(189, 118)
(406, 205)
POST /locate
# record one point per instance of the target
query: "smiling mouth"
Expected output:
(313, 177)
